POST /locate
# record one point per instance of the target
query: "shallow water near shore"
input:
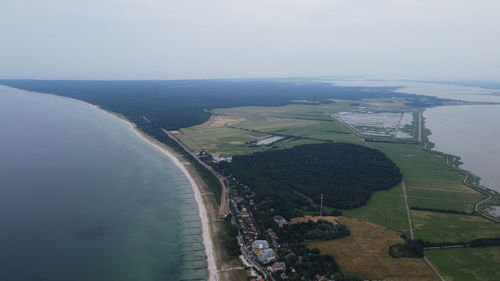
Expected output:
(83, 198)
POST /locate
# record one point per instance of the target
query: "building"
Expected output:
(280, 220)
(218, 159)
(277, 266)
(259, 245)
(266, 256)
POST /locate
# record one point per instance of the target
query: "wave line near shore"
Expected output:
(207, 241)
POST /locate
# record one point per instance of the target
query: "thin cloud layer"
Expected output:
(153, 39)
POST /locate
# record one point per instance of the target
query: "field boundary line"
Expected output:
(410, 224)
(433, 268)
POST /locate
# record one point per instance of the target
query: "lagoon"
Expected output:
(471, 132)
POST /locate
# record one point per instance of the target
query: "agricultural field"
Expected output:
(430, 183)
(218, 140)
(230, 131)
(445, 227)
(466, 264)
(385, 208)
(365, 252)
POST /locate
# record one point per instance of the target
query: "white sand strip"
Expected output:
(207, 241)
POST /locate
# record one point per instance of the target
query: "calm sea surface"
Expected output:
(83, 198)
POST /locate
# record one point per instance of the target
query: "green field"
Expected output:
(386, 208)
(468, 264)
(430, 183)
(439, 227)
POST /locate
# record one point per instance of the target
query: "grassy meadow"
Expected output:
(445, 227)
(430, 183)
(385, 208)
(466, 264)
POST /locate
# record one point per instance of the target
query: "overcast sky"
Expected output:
(172, 39)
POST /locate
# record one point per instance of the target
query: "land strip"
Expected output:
(433, 268)
(420, 125)
(223, 207)
(465, 181)
(408, 214)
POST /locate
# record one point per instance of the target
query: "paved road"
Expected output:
(223, 207)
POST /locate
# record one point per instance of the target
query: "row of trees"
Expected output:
(208, 177)
(310, 230)
(439, 210)
(415, 248)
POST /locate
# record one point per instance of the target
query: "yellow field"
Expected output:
(365, 252)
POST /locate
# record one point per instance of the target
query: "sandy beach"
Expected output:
(207, 241)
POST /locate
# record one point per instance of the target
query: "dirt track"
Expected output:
(410, 224)
(420, 126)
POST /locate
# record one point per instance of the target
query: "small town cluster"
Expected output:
(259, 254)
(263, 235)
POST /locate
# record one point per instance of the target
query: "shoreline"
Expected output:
(475, 180)
(202, 210)
(207, 238)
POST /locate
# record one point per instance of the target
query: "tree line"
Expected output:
(414, 248)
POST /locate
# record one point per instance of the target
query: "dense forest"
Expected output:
(346, 174)
(173, 104)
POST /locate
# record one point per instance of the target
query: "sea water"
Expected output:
(83, 198)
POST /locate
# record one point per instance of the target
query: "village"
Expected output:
(263, 253)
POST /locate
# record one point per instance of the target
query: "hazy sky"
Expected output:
(170, 39)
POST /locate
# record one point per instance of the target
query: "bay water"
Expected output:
(471, 132)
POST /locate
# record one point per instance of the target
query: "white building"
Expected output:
(259, 245)
(266, 256)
